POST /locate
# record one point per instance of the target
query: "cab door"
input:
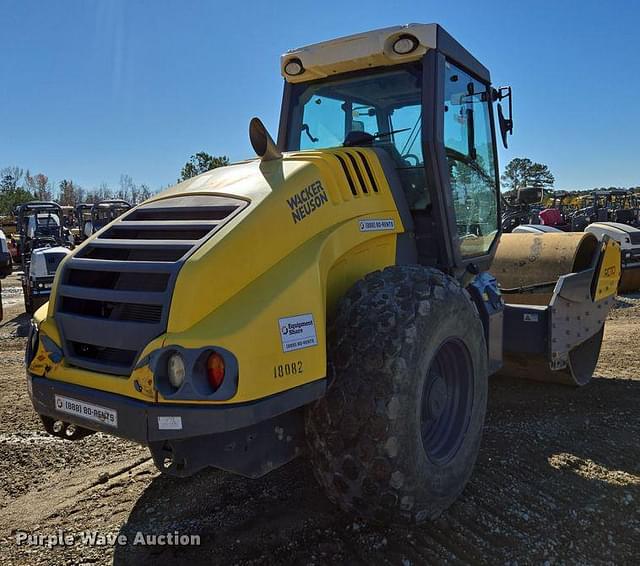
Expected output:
(471, 162)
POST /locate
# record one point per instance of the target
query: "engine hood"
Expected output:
(291, 201)
(181, 256)
(51, 250)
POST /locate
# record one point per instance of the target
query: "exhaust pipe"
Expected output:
(262, 142)
(64, 430)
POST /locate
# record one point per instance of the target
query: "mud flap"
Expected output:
(561, 342)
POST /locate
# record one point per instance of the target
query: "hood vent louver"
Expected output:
(357, 172)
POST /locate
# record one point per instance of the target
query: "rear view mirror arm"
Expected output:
(506, 124)
(471, 135)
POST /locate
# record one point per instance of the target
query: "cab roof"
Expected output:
(375, 49)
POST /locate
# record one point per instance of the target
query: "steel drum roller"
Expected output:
(528, 267)
(524, 261)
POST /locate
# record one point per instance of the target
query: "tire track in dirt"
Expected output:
(62, 491)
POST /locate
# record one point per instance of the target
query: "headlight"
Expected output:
(405, 44)
(176, 370)
(294, 67)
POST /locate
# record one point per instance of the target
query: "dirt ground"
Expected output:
(557, 481)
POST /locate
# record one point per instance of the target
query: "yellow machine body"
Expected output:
(198, 322)
(295, 249)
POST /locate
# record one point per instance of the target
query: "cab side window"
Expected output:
(323, 121)
(471, 160)
(406, 123)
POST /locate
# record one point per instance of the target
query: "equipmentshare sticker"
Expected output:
(377, 225)
(297, 332)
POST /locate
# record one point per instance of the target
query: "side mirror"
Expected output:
(506, 124)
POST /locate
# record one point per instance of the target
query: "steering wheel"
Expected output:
(407, 156)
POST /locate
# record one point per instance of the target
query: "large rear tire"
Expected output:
(397, 435)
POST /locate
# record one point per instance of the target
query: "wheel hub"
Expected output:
(447, 401)
(436, 397)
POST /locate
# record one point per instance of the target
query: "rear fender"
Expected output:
(306, 285)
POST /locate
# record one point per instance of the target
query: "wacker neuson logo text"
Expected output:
(308, 200)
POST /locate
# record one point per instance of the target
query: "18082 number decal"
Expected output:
(285, 370)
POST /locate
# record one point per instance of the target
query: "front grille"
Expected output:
(113, 356)
(116, 290)
(219, 211)
(169, 254)
(111, 310)
(152, 282)
(146, 230)
(53, 261)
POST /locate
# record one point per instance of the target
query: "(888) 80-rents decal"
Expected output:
(307, 201)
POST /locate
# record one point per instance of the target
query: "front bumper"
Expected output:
(41, 293)
(145, 423)
(41, 287)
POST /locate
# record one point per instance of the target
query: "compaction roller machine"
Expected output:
(345, 295)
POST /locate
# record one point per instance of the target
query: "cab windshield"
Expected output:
(383, 109)
(380, 109)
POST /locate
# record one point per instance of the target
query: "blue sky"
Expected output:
(93, 89)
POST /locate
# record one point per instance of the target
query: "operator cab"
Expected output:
(39, 225)
(417, 95)
(381, 110)
(107, 211)
(43, 226)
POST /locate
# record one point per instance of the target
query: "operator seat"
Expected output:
(356, 137)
